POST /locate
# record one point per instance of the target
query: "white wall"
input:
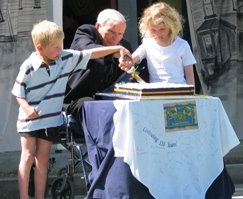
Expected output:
(54, 13)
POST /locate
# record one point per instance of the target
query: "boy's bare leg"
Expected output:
(43, 148)
(26, 160)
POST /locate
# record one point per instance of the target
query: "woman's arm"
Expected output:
(189, 74)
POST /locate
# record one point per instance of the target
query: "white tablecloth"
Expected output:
(174, 163)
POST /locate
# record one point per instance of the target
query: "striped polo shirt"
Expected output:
(44, 89)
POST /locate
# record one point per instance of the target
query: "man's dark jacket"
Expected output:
(100, 73)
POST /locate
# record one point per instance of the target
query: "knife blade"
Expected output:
(137, 77)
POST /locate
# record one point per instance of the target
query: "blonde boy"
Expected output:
(39, 89)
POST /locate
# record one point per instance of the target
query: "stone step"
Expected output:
(236, 172)
(234, 163)
(8, 173)
(9, 161)
(235, 156)
(9, 186)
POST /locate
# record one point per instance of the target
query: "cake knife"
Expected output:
(137, 77)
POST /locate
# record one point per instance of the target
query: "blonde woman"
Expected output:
(168, 56)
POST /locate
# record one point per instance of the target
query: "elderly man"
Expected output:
(100, 73)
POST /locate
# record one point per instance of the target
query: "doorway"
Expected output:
(79, 12)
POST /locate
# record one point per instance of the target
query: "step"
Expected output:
(236, 172)
(234, 164)
(8, 173)
(9, 161)
(235, 156)
(9, 186)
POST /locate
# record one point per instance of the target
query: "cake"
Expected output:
(152, 89)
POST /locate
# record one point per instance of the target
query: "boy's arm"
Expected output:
(30, 112)
(106, 50)
(123, 52)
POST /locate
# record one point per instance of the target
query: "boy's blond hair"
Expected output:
(45, 32)
(160, 13)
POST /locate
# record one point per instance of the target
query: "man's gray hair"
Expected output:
(107, 14)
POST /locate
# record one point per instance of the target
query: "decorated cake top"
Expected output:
(148, 89)
(138, 86)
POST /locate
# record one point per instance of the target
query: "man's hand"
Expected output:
(126, 63)
(125, 60)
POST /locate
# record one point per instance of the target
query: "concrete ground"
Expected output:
(239, 192)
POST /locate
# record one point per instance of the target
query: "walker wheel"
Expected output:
(62, 172)
(66, 193)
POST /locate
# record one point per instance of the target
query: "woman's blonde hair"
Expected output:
(45, 32)
(160, 13)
